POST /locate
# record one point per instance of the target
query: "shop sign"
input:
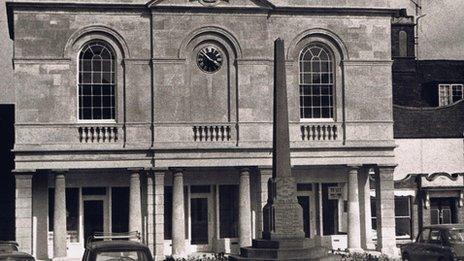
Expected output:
(335, 193)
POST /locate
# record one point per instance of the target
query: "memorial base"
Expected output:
(284, 249)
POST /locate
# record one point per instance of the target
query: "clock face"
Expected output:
(209, 59)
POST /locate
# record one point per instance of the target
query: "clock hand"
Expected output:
(205, 54)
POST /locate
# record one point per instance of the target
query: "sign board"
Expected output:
(335, 192)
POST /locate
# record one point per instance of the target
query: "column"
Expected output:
(365, 209)
(385, 208)
(158, 179)
(59, 217)
(23, 208)
(178, 214)
(354, 228)
(135, 208)
(265, 175)
(244, 223)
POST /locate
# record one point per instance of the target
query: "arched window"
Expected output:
(403, 43)
(316, 83)
(96, 82)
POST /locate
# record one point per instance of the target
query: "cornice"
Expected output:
(74, 5)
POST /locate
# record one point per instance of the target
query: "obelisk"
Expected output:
(282, 215)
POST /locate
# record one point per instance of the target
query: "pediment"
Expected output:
(211, 3)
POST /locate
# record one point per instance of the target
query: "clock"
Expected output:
(209, 59)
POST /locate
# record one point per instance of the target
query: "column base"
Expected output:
(391, 252)
(355, 250)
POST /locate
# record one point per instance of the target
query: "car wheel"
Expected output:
(406, 257)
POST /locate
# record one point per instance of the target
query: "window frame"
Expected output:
(446, 93)
(111, 49)
(332, 61)
(409, 199)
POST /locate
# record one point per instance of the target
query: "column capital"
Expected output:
(354, 166)
(386, 167)
(244, 170)
(23, 172)
(177, 170)
(135, 169)
(265, 167)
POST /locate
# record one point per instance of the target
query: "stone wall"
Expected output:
(164, 104)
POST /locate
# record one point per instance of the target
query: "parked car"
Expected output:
(115, 248)
(8, 246)
(437, 242)
(15, 256)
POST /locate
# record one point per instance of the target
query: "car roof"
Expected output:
(446, 226)
(15, 254)
(9, 243)
(116, 244)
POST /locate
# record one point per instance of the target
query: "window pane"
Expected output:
(228, 212)
(401, 206)
(403, 227)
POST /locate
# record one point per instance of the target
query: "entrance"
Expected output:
(199, 223)
(443, 211)
(94, 217)
(306, 199)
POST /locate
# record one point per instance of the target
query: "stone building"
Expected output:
(157, 117)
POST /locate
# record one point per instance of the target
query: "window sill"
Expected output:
(316, 120)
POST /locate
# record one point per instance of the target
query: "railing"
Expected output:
(98, 134)
(217, 132)
(320, 132)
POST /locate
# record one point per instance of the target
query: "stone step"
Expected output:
(281, 253)
(287, 243)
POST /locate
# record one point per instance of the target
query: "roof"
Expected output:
(116, 244)
(436, 122)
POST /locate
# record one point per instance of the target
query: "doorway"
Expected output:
(443, 211)
(95, 216)
(199, 216)
(201, 221)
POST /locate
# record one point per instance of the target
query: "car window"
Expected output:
(424, 236)
(435, 236)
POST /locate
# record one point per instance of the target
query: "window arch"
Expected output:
(316, 82)
(96, 82)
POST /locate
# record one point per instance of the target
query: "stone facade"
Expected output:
(178, 129)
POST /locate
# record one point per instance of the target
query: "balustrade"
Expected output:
(211, 133)
(319, 132)
(98, 134)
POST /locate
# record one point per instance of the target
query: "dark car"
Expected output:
(115, 248)
(437, 242)
(9, 251)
